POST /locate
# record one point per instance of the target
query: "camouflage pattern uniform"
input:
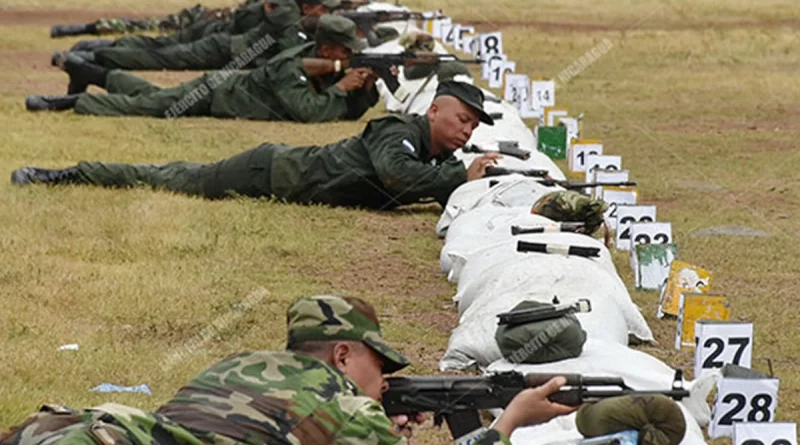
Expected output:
(570, 206)
(172, 22)
(252, 398)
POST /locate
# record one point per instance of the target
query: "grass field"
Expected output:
(701, 99)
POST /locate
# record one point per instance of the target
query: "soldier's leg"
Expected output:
(123, 82)
(212, 52)
(181, 177)
(188, 99)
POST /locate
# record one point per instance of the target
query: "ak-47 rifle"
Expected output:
(349, 5)
(501, 171)
(382, 65)
(522, 316)
(582, 185)
(510, 148)
(366, 20)
(548, 228)
(458, 399)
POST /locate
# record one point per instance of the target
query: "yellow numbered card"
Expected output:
(683, 278)
(695, 307)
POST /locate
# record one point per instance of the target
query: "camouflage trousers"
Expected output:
(109, 424)
(246, 174)
(172, 22)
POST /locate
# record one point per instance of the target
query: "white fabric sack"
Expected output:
(499, 191)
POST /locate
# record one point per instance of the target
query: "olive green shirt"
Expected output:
(389, 164)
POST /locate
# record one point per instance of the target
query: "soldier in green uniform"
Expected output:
(290, 87)
(396, 160)
(326, 388)
(279, 29)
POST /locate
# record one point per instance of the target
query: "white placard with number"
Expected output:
(486, 66)
(543, 95)
(491, 44)
(742, 400)
(755, 433)
(602, 162)
(627, 215)
(608, 176)
(573, 130)
(436, 26)
(459, 34)
(498, 73)
(579, 153)
(517, 92)
(718, 343)
(448, 33)
(469, 45)
(615, 199)
(651, 233)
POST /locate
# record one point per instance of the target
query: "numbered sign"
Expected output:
(602, 162)
(626, 216)
(460, 32)
(491, 44)
(718, 343)
(499, 71)
(517, 92)
(449, 33)
(694, 307)
(651, 233)
(742, 400)
(651, 264)
(579, 151)
(489, 62)
(753, 433)
(615, 197)
(573, 129)
(552, 115)
(543, 95)
(608, 176)
(469, 45)
(436, 27)
(683, 278)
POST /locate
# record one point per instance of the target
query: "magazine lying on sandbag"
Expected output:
(499, 191)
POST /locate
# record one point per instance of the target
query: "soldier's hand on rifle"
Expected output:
(531, 407)
(354, 80)
(403, 424)
(477, 169)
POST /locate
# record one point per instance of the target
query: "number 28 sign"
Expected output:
(742, 400)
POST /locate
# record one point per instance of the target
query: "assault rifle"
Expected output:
(582, 185)
(501, 171)
(522, 316)
(582, 251)
(510, 148)
(382, 65)
(457, 399)
(365, 21)
(548, 228)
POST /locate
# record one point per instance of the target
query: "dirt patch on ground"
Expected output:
(60, 17)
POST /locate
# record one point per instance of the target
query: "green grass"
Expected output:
(696, 94)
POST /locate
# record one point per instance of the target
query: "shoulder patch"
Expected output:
(409, 145)
(303, 78)
(302, 35)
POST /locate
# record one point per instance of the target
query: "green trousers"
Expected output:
(189, 34)
(133, 96)
(207, 53)
(246, 174)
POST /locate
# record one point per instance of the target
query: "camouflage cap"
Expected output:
(570, 206)
(330, 317)
(339, 30)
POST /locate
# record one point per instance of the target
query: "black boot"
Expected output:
(91, 45)
(55, 103)
(72, 30)
(59, 57)
(82, 74)
(33, 175)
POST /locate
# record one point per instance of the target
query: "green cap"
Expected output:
(339, 30)
(469, 94)
(330, 317)
(330, 4)
(571, 206)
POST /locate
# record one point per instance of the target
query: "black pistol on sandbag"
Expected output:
(382, 65)
(522, 316)
(502, 171)
(510, 148)
(457, 399)
(366, 20)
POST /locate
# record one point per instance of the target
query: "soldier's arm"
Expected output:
(397, 162)
(291, 87)
(359, 101)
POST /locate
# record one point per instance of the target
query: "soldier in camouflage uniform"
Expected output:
(324, 389)
(304, 84)
(397, 160)
(280, 27)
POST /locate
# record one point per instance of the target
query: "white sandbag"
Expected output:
(476, 230)
(639, 370)
(500, 191)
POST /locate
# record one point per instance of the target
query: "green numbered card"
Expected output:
(553, 141)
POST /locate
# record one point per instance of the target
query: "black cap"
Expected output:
(469, 94)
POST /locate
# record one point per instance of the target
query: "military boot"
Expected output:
(33, 175)
(72, 30)
(54, 103)
(60, 57)
(82, 74)
(91, 45)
